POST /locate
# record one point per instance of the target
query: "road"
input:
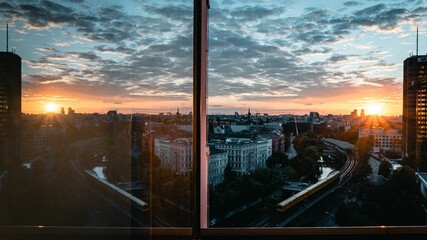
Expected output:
(291, 153)
(375, 164)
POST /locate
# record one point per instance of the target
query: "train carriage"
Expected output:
(124, 197)
(304, 194)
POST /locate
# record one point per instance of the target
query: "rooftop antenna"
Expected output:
(417, 43)
(7, 37)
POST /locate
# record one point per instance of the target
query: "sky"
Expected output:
(272, 56)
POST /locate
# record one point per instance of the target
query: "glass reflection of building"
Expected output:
(175, 154)
(10, 107)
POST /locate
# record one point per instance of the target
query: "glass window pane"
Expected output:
(303, 97)
(105, 135)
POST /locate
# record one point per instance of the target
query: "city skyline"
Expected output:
(276, 57)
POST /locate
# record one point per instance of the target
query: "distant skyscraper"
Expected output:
(362, 113)
(414, 124)
(354, 114)
(10, 107)
(71, 111)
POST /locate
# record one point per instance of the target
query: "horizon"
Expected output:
(173, 113)
(274, 57)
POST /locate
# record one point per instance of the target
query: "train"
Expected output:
(124, 197)
(300, 196)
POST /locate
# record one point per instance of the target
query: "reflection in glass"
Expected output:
(105, 131)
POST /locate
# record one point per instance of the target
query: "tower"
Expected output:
(136, 130)
(10, 107)
(414, 126)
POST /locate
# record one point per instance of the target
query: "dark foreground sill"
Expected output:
(346, 233)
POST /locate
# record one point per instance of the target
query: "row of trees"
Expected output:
(363, 169)
(237, 191)
(393, 203)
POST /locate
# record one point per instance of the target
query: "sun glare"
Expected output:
(373, 109)
(51, 107)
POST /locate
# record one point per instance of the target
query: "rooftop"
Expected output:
(341, 144)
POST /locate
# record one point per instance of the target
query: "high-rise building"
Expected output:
(354, 114)
(414, 124)
(10, 107)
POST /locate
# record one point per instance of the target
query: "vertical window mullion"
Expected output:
(199, 117)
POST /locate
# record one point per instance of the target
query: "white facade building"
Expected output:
(245, 155)
(218, 160)
(388, 140)
(175, 154)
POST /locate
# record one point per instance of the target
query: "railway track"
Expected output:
(338, 178)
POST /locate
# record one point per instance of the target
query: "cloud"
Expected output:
(337, 58)
(252, 13)
(351, 3)
(6, 6)
(309, 51)
(256, 51)
(115, 49)
(149, 63)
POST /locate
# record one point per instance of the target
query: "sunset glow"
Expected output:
(374, 109)
(51, 107)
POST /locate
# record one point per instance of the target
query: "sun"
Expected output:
(51, 107)
(373, 109)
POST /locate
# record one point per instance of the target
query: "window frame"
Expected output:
(199, 229)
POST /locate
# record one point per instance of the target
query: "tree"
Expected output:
(385, 169)
(363, 146)
(307, 139)
(262, 175)
(404, 180)
(311, 152)
(290, 173)
(394, 203)
(362, 170)
(410, 161)
(351, 215)
(277, 159)
(351, 135)
(229, 174)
